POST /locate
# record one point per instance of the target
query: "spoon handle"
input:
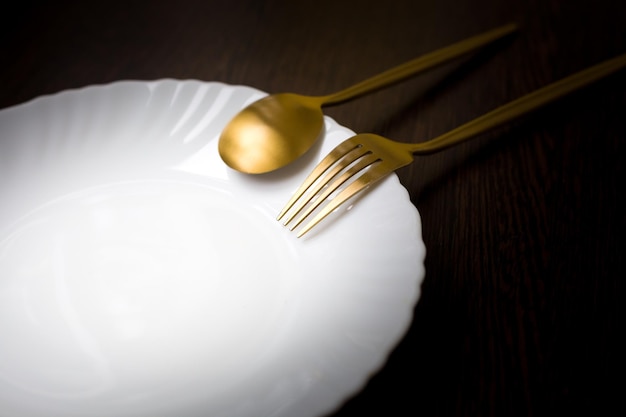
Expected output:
(418, 65)
(520, 106)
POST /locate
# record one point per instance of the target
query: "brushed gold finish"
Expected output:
(276, 130)
(366, 158)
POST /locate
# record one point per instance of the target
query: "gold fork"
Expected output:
(366, 158)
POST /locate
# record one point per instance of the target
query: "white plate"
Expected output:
(141, 277)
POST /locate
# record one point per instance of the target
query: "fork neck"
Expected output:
(440, 143)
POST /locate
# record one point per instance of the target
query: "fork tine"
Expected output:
(336, 154)
(365, 161)
(374, 174)
(324, 179)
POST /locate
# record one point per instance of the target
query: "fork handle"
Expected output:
(520, 106)
(418, 65)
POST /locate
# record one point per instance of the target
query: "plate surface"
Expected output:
(139, 276)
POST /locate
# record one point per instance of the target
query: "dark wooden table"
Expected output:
(522, 311)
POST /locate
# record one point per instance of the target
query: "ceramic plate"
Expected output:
(139, 276)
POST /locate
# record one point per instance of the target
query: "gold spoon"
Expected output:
(276, 130)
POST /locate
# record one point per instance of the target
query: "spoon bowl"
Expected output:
(271, 132)
(276, 130)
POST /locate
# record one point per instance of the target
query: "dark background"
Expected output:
(522, 311)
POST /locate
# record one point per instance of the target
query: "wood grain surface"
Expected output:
(522, 311)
